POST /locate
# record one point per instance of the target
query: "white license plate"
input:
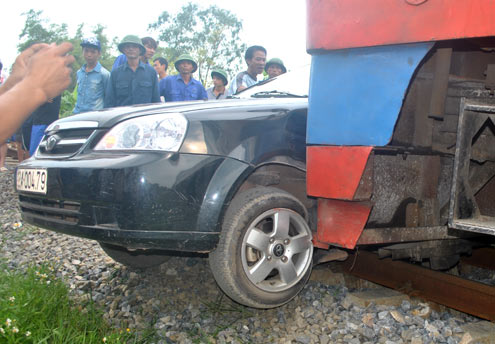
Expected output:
(32, 180)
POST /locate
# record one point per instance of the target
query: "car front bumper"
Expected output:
(140, 200)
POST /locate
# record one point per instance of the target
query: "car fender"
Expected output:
(228, 177)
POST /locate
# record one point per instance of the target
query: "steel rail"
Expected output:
(454, 292)
(482, 258)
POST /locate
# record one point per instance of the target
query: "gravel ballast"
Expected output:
(181, 302)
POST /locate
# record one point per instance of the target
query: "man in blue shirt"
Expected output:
(92, 78)
(133, 82)
(183, 86)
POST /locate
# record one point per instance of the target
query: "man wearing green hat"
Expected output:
(275, 67)
(133, 82)
(183, 86)
(150, 45)
(220, 80)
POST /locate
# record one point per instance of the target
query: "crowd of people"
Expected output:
(134, 79)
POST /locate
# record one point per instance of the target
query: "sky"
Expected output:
(278, 25)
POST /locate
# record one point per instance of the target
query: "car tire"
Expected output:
(139, 259)
(264, 255)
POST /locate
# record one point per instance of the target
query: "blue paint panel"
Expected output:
(355, 95)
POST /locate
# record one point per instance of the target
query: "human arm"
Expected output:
(203, 94)
(105, 75)
(238, 84)
(240, 88)
(75, 93)
(120, 60)
(40, 73)
(155, 97)
(109, 100)
(235, 84)
(165, 87)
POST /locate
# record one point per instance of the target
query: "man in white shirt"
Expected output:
(255, 57)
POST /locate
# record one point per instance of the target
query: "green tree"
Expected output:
(210, 35)
(37, 30)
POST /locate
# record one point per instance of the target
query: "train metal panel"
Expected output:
(347, 165)
(339, 24)
(355, 95)
(373, 61)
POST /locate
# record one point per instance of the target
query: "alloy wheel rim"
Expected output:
(276, 250)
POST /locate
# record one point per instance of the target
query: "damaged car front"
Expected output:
(147, 180)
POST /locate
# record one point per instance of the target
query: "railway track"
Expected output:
(467, 296)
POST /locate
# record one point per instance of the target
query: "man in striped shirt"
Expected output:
(255, 57)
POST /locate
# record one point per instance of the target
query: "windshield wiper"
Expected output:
(276, 94)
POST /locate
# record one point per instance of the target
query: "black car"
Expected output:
(220, 177)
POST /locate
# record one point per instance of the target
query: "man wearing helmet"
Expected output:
(92, 78)
(183, 86)
(220, 80)
(275, 67)
(150, 46)
(133, 82)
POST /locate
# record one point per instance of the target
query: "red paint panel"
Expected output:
(340, 223)
(335, 171)
(339, 24)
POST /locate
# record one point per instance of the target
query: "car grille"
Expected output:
(63, 143)
(56, 211)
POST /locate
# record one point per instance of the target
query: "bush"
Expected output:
(67, 103)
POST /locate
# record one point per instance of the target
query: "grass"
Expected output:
(35, 307)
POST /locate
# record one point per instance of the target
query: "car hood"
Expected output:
(109, 117)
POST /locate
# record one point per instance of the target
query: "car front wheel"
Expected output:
(264, 255)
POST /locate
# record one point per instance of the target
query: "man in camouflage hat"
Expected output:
(183, 86)
(220, 80)
(133, 82)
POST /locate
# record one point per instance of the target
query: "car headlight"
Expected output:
(163, 132)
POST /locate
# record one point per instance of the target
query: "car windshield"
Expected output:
(291, 84)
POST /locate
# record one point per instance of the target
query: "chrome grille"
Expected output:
(63, 143)
(63, 139)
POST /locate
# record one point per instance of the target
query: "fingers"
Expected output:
(49, 68)
(20, 66)
(69, 59)
(29, 52)
(37, 47)
(63, 48)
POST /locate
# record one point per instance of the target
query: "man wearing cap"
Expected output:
(133, 82)
(183, 86)
(220, 80)
(275, 67)
(255, 58)
(92, 78)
